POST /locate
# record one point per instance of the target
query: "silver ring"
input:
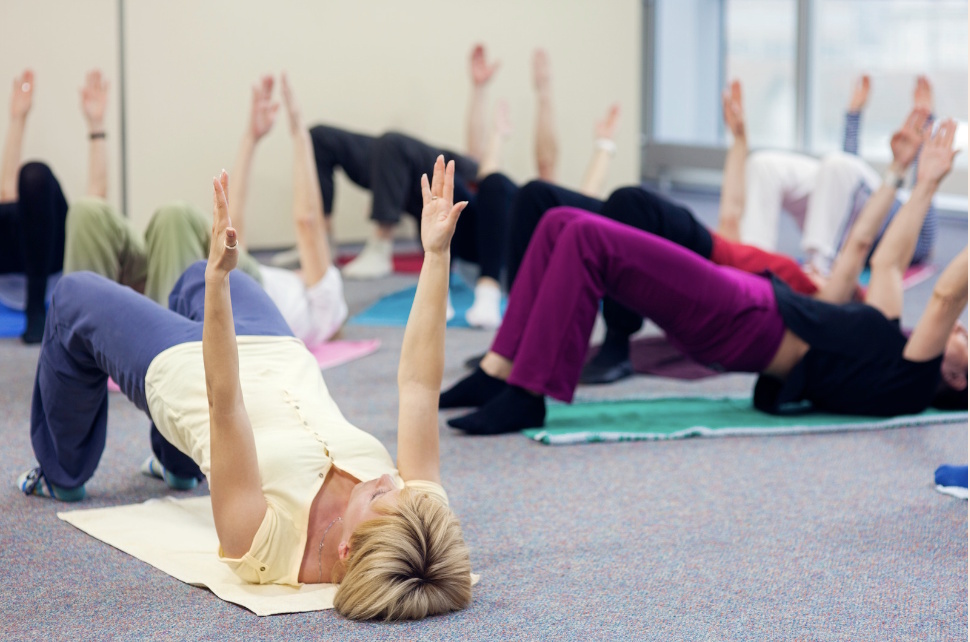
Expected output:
(231, 247)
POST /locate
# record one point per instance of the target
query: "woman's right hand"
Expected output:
(936, 159)
(224, 245)
(733, 109)
(262, 114)
(439, 216)
(860, 94)
(23, 94)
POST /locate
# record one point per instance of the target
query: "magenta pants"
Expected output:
(717, 315)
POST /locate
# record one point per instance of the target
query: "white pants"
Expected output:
(315, 313)
(819, 194)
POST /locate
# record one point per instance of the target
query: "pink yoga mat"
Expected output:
(329, 354)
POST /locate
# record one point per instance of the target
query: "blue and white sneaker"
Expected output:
(952, 480)
(153, 468)
(33, 482)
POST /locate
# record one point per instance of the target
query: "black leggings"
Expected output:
(632, 206)
(32, 233)
(481, 231)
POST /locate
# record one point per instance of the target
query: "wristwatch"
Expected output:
(892, 178)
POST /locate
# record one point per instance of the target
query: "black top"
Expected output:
(854, 364)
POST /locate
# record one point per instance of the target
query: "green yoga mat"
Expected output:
(677, 418)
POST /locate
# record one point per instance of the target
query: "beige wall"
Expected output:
(367, 66)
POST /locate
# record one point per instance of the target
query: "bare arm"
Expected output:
(423, 349)
(851, 259)
(94, 101)
(731, 208)
(20, 102)
(857, 102)
(944, 308)
(311, 230)
(262, 115)
(481, 74)
(603, 150)
(547, 147)
(895, 250)
(491, 161)
(238, 504)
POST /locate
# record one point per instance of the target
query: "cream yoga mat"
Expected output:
(178, 536)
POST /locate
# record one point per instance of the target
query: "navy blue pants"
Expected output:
(97, 328)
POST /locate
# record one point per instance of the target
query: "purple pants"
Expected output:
(717, 315)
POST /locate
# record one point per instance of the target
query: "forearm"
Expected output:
(476, 123)
(239, 187)
(895, 249)
(491, 160)
(423, 347)
(547, 148)
(599, 165)
(12, 149)
(952, 284)
(731, 208)
(97, 161)
(311, 231)
(220, 357)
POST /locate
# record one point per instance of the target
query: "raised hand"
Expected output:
(439, 215)
(606, 128)
(936, 159)
(23, 94)
(481, 71)
(262, 115)
(923, 94)
(541, 71)
(733, 109)
(224, 245)
(906, 142)
(860, 94)
(293, 113)
(94, 100)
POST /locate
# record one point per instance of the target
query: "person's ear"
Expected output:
(343, 551)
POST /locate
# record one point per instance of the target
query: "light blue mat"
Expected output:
(393, 309)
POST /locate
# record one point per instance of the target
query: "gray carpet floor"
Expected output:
(813, 537)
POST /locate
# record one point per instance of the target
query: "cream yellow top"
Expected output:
(299, 431)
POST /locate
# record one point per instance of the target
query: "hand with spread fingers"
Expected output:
(224, 245)
(923, 94)
(936, 159)
(94, 100)
(605, 129)
(733, 109)
(906, 142)
(481, 71)
(262, 115)
(439, 215)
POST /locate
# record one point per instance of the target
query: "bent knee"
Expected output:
(34, 175)
(90, 212)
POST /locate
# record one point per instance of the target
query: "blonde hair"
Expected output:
(408, 564)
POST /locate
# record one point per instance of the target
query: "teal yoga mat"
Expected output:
(393, 309)
(677, 418)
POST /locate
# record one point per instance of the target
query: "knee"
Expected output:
(177, 219)
(34, 177)
(536, 192)
(625, 198)
(87, 214)
(497, 183)
(763, 161)
(841, 163)
(324, 136)
(558, 218)
(74, 289)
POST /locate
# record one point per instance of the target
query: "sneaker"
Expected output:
(486, 310)
(153, 468)
(33, 482)
(373, 262)
(952, 480)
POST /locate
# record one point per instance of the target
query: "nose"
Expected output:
(386, 480)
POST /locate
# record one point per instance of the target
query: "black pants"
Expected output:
(480, 236)
(32, 233)
(634, 206)
(390, 166)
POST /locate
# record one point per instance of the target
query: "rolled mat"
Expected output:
(680, 417)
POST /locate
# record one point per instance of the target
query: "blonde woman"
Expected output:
(299, 495)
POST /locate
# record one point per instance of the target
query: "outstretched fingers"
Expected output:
(449, 190)
(425, 190)
(438, 178)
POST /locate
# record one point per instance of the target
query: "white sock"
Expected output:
(449, 310)
(373, 262)
(486, 309)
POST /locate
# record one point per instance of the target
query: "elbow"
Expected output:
(949, 299)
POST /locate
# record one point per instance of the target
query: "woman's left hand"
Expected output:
(439, 215)
(224, 244)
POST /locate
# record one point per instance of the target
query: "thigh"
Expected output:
(11, 250)
(651, 212)
(352, 152)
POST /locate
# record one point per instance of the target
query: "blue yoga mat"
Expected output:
(393, 309)
(12, 322)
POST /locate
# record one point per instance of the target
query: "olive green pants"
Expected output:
(100, 240)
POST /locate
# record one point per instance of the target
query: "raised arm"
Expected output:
(604, 148)
(94, 101)
(547, 147)
(895, 250)
(853, 114)
(262, 115)
(732, 186)
(851, 259)
(238, 504)
(481, 74)
(311, 230)
(491, 161)
(423, 349)
(949, 298)
(20, 102)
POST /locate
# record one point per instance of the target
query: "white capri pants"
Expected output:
(315, 313)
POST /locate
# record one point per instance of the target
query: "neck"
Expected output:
(323, 528)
